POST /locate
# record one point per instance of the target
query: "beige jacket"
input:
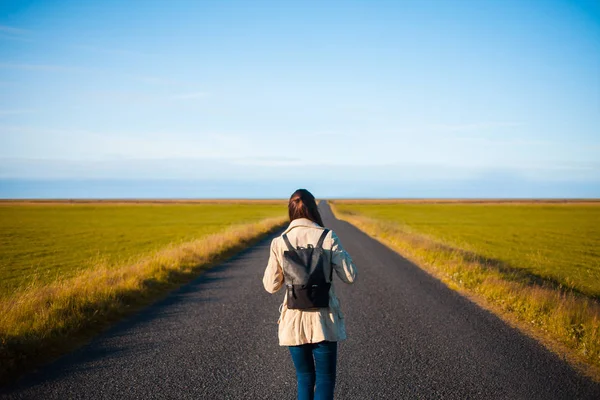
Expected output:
(298, 327)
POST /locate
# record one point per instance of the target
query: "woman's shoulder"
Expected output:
(302, 234)
(275, 241)
(331, 234)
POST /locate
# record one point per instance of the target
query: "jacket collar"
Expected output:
(302, 222)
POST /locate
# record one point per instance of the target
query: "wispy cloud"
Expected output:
(86, 144)
(106, 50)
(122, 96)
(39, 67)
(12, 33)
(490, 141)
(189, 96)
(162, 81)
(268, 161)
(144, 96)
(4, 113)
(477, 126)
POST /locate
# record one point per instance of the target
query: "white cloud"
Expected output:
(39, 67)
(11, 30)
(269, 161)
(477, 126)
(81, 144)
(162, 81)
(189, 96)
(505, 141)
(122, 96)
(13, 112)
(12, 33)
(105, 50)
(143, 96)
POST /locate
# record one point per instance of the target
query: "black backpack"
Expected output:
(305, 276)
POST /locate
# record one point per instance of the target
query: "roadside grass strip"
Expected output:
(566, 321)
(45, 319)
(46, 240)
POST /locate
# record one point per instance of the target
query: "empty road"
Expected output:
(409, 337)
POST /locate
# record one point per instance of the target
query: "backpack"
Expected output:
(303, 269)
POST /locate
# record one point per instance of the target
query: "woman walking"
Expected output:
(311, 321)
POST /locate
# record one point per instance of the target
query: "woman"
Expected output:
(310, 334)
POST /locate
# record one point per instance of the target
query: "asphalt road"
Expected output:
(409, 337)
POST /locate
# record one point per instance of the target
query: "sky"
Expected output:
(258, 98)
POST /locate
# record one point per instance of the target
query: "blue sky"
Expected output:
(355, 98)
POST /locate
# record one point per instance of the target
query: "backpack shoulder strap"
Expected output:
(287, 242)
(320, 244)
(322, 238)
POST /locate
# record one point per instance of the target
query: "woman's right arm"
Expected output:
(273, 277)
(341, 261)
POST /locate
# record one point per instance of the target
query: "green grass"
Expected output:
(558, 242)
(60, 239)
(535, 265)
(98, 262)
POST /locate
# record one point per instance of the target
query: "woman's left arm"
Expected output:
(273, 278)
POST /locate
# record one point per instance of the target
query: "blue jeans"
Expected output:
(315, 369)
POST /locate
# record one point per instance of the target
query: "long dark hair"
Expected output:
(303, 205)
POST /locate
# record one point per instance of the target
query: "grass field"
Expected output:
(50, 240)
(535, 264)
(71, 269)
(560, 242)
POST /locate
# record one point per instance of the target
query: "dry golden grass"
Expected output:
(466, 201)
(565, 322)
(43, 320)
(140, 201)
